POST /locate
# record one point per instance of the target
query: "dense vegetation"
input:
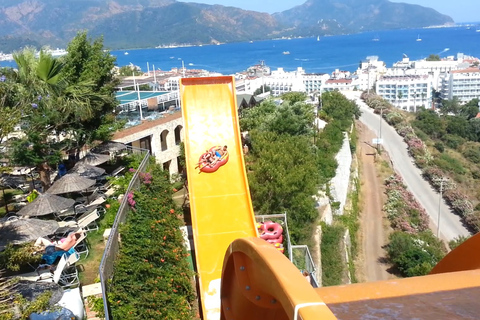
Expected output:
(152, 278)
(60, 103)
(413, 249)
(289, 160)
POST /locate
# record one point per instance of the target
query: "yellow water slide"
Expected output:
(220, 201)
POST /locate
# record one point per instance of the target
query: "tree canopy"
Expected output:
(289, 160)
(64, 102)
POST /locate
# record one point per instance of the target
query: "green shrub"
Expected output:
(333, 267)
(439, 146)
(457, 241)
(415, 254)
(152, 278)
(449, 164)
(472, 154)
(14, 257)
(453, 141)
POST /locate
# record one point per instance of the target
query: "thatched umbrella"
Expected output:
(94, 159)
(109, 146)
(45, 204)
(23, 230)
(70, 182)
(86, 170)
(31, 290)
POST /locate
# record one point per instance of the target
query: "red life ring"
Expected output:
(271, 231)
(206, 166)
(276, 240)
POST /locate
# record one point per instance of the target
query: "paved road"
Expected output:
(450, 224)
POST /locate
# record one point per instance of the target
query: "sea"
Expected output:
(313, 54)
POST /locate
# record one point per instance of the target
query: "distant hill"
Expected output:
(148, 23)
(330, 16)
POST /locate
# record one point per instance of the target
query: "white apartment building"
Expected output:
(463, 84)
(368, 72)
(281, 82)
(314, 82)
(437, 69)
(338, 85)
(406, 92)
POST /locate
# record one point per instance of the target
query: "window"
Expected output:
(145, 143)
(163, 140)
(178, 135)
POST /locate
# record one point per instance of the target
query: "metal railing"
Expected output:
(302, 259)
(283, 221)
(299, 255)
(112, 246)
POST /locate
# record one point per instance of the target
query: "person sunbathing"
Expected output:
(63, 244)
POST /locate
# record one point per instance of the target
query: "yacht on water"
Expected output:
(418, 38)
(286, 52)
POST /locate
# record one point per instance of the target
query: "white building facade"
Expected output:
(406, 92)
(463, 84)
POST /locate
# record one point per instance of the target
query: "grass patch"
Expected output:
(350, 220)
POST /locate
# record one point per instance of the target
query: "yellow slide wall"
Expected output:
(220, 202)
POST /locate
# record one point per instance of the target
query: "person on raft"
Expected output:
(219, 153)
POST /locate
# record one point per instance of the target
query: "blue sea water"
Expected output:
(333, 52)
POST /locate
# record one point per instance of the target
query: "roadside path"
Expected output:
(450, 224)
(372, 218)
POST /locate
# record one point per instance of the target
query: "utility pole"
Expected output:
(443, 187)
(380, 130)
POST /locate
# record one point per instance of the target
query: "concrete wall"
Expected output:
(339, 184)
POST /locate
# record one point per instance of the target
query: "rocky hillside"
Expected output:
(148, 23)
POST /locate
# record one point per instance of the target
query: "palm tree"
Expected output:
(400, 96)
(51, 106)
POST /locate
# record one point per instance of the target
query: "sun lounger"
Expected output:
(87, 221)
(65, 274)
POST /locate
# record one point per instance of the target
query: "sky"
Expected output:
(459, 10)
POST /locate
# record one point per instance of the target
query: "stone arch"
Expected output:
(178, 134)
(163, 139)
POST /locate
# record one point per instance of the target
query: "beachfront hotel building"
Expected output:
(463, 84)
(281, 81)
(406, 92)
(437, 69)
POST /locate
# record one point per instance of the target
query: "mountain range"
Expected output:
(149, 23)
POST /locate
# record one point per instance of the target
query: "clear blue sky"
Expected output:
(459, 10)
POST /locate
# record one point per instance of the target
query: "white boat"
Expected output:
(376, 38)
(318, 38)
(125, 53)
(418, 38)
(286, 52)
